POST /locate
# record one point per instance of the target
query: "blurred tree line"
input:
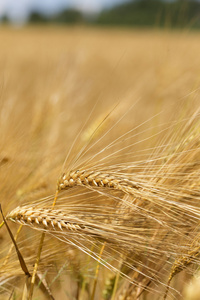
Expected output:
(69, 16)
(157, 13)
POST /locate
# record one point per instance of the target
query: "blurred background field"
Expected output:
(82, 64)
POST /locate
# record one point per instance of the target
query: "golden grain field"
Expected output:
(107, 120)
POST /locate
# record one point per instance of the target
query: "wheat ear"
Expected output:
(90, 178)
(180, 264)
(50, 219)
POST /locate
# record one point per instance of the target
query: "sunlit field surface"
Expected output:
(107, 120)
